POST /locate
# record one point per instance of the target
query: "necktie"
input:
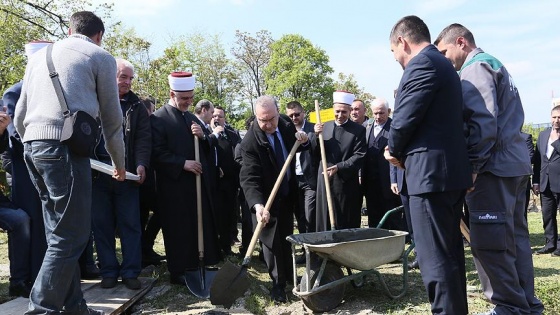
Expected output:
(280, 162)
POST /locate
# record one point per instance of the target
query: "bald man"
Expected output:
(376, 183)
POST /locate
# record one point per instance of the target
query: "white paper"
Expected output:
(108, 169)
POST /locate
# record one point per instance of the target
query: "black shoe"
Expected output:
(19, 289)
(132, 283)
(300, 260)
(109, 282)
(545, 250)
(413, 265)
(90, 273)
(278, 294)
(177, 279)
(556, 253)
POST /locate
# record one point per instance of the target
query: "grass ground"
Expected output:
(369, 299)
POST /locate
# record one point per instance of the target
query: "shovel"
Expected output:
(232, 281)
(198, 281)
(325, 174)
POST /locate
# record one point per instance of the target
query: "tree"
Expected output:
(252, 55)
(23, 21)
(124, 43)
(298, 70)
(349, 83)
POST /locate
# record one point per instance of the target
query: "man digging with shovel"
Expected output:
(264, 149)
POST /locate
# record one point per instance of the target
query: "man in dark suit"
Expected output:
(376, 181)
(546, 181)
(434, 154)
(173, 130)
(306, 173)
(345, 148)
(493, 117)
(228, 181)
(264, 150)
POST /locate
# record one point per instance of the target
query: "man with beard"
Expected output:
(173, 132)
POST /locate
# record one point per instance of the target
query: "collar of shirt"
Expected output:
(336, 123)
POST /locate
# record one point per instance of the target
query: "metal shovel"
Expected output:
(198, 281)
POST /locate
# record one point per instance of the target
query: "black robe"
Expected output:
(345, 146)
(173, 143)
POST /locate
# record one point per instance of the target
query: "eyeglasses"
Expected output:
(292, 115)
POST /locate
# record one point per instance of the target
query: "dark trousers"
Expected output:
(500, 243)
(378, 204)
(306, 208)
(25, 196)
(439, 249)
(277, 251)
(226, 208)
(549, 205)
(150, 224)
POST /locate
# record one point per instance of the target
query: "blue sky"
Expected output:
(524, 35)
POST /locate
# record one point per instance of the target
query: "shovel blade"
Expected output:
(230, 283)
(199, 281)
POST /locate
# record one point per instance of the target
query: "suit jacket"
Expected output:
(546, 172)
(376, 167)
(309, 164)
(259, 172)
(427, 127)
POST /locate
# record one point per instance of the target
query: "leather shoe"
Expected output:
(19, 289)
(177, 279)
(545, 250)
(278, 295)
(89, 272)
(109, 282)
(132, 283)
(556, 253)
(413, 265)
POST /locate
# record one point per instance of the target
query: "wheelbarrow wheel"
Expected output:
(324, 301)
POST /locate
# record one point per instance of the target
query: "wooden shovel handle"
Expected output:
(199, 202)
(465, 230)
(269, 202)
(324, 164)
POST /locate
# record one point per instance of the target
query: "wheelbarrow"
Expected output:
(322, 288)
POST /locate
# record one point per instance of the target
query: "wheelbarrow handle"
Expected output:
(269, 202)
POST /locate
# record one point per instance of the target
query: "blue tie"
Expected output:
(280, 162)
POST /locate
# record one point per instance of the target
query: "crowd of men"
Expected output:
(432, 166)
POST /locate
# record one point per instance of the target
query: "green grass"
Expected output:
(177, 299)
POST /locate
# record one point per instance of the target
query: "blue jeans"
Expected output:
(63, 181)
(116, 207)
(16, 222)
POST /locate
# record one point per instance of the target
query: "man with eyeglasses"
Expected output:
(306, 173)
(264, 150)
(345, 147)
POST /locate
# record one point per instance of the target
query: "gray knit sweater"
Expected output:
(88, 78)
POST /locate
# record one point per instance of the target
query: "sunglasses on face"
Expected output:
(292, 115)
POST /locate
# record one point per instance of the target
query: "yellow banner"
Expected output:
(326, 115)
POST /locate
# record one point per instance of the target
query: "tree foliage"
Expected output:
(23, 21)
(349, 83)
(299, 71)
(252, 55)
